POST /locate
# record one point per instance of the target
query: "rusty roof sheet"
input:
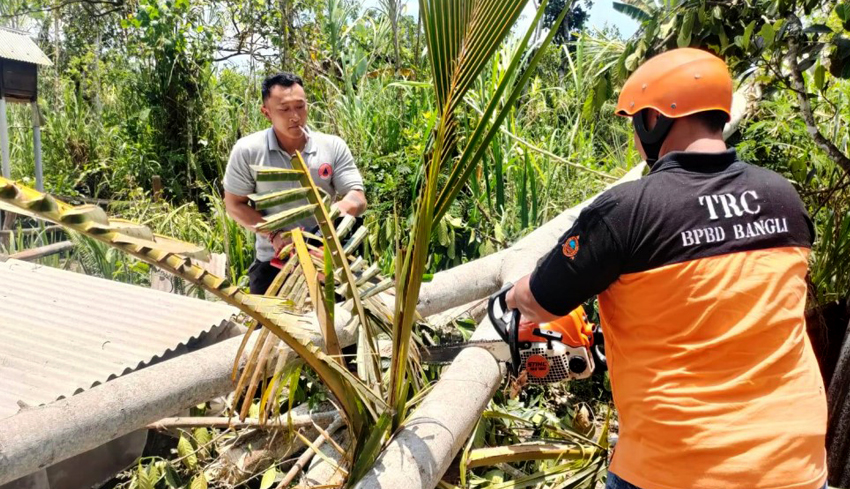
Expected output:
(19, 46)
(63, 332)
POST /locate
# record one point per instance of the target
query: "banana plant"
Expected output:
(462, 35)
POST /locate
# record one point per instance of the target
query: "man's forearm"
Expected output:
(245, 215)
(521, 298)
(354, 203)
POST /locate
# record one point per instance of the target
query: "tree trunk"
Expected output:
(798, 84)
(838, 433)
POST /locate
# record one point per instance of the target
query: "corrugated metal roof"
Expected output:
(19, 46)
(63, 332)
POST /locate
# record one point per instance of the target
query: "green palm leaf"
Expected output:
(287, 217)
(461, 36)
(633, 9)
(477, 144)
(272, 199)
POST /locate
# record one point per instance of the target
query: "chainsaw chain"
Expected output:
(462, 344)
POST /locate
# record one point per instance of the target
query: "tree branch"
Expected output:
(799, 87)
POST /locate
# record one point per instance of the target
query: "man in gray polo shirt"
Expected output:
(331, 166)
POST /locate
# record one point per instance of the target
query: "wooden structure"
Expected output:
(19, 62)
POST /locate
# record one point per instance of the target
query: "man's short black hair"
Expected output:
(713, 120)
(282, 79)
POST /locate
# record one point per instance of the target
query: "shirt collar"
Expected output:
(693, 161)
(309, 148)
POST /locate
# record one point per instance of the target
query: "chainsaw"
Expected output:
(568, 348)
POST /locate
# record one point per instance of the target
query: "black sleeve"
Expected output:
(586, 260)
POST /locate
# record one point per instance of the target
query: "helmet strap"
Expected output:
(652, 140)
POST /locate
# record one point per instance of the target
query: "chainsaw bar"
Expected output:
(446, 353)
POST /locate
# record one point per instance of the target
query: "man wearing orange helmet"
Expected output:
(700, 271)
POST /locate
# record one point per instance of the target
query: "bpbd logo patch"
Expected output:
(325, 171)
(570, 247)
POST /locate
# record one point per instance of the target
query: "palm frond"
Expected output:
(372, 370)
(462, 36)
(522, 452)
(477, 144)
(286, 218)
(360, 406)
(633, 9)
(311, 276)
(272, 199)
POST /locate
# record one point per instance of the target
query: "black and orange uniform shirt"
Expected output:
(700, 269)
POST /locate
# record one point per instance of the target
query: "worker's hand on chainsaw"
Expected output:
(520, 297)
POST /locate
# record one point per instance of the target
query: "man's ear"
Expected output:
(265, 112)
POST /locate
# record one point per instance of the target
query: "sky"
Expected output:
(601, 13)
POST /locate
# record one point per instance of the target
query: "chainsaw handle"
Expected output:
(598, 349)
(508, 332)
(498, 321)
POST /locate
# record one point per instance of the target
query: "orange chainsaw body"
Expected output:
(575, 330)
(547, 359)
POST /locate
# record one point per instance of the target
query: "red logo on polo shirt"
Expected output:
(325, 171)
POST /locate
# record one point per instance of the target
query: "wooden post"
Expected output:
(4, 138)
(42, 251)
(36, 146)
(156, 183)
(7, 235)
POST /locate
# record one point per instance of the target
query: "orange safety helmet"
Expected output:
(678, 83)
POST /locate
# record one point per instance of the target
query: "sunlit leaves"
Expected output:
(842, 10)
(686, 32)
(768, 34)
(199, 482)
(267, 480)
(820, 77)
(186, 452)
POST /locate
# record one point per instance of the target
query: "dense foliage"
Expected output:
(153, 88)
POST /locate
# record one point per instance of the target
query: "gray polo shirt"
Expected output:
(331, 166)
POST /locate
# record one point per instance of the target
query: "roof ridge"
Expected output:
(15, 31)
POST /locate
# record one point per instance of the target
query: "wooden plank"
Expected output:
(30, 231)
(42, 251)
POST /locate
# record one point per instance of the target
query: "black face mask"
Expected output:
(654, 139)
